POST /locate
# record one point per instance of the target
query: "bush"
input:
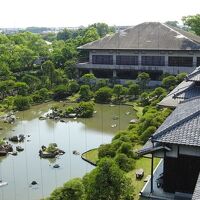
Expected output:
(108, 182)
(85, 93)
(89, 79)
(73, 87)
(169, 82)
(44, 93)
(103, 95)
(125, 163)
(71, 190)
(133, 89)
(60, 92)
(144, 99)
(22, 103)
(85, 109)
(106, 150)
(147, 133)
(51, 148)
(126, 148)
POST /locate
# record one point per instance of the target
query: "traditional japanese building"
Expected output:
(152, 47)
(187, 89)
(177, 143)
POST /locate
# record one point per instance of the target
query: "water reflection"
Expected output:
(81, 135)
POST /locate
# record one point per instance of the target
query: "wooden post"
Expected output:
(152, 170)
(152, 174)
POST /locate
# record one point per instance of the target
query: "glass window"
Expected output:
(180, 61)
(102, 59)
(153, 60)
(198, 61)
(127, 60)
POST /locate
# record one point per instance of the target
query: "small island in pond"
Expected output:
(82, 110)
(51, 151)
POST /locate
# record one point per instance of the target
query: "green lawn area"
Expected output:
(92, 155)
(138, 109)
(144, 163)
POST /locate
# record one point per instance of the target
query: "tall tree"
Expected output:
(102, 28)
(64, 35)
(193, 22)
(90, 35)
(143, 79)
(107, 182)
(172, 23)
(48, 69)
(72, 190)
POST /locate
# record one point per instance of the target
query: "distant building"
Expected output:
(177, 142)
(152, 47)
(189, 88)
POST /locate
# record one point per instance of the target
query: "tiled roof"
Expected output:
(196, 194)
(148, 36)
(185, 90)
(149, 148)
(188, 93)
(194, 76)
(170, 100)
(182, 126)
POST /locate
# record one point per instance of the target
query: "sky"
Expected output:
(73, 13)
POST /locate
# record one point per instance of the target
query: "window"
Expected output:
(127, 60)
(102, 59)
(153, 60)
(198, 61)
(180, 61)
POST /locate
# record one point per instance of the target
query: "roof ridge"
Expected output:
(194, 114)
(190, 34)
(178, 33)
(196, 71)
(183, 89)
(172, 93)
(191, 99)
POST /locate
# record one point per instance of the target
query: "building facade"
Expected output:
(152, 47)
(177, 142)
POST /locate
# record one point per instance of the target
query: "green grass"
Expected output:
(92, 155)
(138, 110)
(144, 163)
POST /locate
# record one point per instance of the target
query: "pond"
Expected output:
(74, 134)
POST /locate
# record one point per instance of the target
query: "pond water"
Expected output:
(75, 134)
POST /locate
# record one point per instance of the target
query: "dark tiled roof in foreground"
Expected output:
(196, 194)
(182, 126)
(146, 36)
(172, 100)
(194, 76)
(185, 90)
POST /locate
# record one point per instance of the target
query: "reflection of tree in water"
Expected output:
(52, 160)
(102, 121)
(107, 116)
(1, 160)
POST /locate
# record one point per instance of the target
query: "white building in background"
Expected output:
(152, 47)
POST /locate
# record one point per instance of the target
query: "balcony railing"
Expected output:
(165, 69)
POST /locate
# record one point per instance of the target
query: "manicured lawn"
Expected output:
(92, 155)
(138, 109)
(145, 164)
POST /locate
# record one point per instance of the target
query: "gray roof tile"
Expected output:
(182, 126)
(185, 90)
(148, 35)
(194, 76)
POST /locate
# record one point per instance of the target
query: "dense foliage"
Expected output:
(33, 71)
